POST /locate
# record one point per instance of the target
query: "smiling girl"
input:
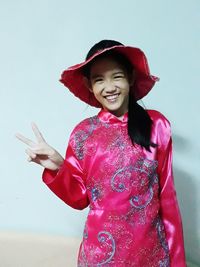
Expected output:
(119, 163)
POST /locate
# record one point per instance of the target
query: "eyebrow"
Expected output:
(119, 72)
(96, 76)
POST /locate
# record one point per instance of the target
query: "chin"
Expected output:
(116, 112)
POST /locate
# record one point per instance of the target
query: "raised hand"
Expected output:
(40, 152)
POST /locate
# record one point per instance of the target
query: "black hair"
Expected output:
(139, 121)
(101, 46)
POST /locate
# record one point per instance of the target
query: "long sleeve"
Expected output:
(68, 182)
(170, 212)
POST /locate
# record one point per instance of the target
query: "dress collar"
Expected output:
(108, 117)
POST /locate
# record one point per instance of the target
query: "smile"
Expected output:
(112, 97)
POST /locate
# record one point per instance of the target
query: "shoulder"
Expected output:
(82, 131)
(85, 126)
(157, 115)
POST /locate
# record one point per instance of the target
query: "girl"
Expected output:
(119, 163)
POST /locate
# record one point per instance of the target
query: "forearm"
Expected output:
(67, 184)
(171, 218)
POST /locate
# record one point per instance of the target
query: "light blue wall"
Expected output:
(38, 40)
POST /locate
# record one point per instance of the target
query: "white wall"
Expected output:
(38, 40)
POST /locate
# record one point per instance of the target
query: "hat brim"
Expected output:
(73, 77)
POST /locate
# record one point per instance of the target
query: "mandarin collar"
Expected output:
(107, 117)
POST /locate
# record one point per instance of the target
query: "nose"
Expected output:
(110, 87)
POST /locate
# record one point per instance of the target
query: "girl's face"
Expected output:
(110, 85)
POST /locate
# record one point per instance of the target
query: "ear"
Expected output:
(87, 83)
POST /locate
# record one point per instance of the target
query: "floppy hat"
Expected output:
(73, 77)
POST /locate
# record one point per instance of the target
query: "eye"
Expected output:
(119, 76)
(98, 80)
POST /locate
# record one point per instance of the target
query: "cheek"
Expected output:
(97, 88)
(124, 85)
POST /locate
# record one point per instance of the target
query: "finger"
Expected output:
(25, 140)
(29, 159)
(36, 160)
(30, 153)
(42, 151)
(37, 133)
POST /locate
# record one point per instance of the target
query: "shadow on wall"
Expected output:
(187, 194)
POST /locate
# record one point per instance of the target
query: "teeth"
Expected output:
(111, 97)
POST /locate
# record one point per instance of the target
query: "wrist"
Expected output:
(60, 162)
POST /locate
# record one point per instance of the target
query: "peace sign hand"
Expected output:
(40, 152)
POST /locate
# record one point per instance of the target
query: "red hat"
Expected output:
(73, 77)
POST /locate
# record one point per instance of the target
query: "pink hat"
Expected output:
(73, 77)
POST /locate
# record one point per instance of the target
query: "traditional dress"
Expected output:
(134, 218)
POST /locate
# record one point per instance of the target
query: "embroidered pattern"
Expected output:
(146, 168)
(107, 241)
(123, 227)
(118, 180)
(161, 235)
(107, 245)
(82, 135)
